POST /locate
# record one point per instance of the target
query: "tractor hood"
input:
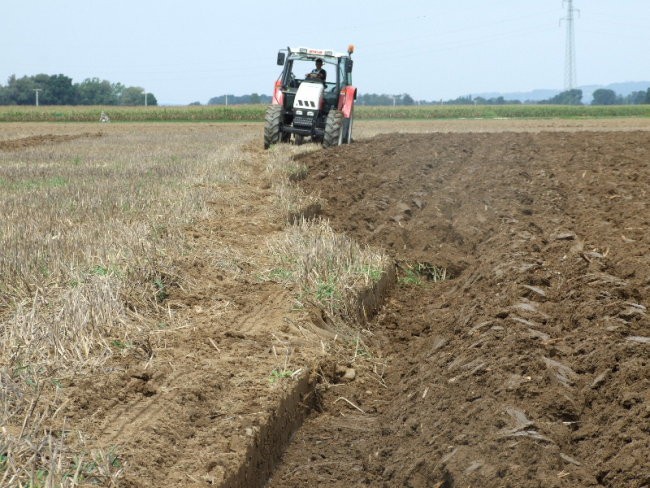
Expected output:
(309, 98)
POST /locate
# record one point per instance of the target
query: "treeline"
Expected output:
(602, 96)
(371, 99)
(469, 100)
(251, 99)
(60, 90)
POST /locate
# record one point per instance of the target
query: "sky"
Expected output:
(192, 50)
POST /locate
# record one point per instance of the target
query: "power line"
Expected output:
(570, 49)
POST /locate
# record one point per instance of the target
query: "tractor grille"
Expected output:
(302, 121)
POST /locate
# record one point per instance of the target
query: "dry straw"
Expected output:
(89, 230)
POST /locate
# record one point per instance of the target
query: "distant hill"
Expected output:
(623, 89)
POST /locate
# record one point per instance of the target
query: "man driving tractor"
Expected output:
(318, 72)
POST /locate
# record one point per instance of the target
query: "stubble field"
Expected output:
(172, 308)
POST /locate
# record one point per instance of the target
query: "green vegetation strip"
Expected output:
(255, 113)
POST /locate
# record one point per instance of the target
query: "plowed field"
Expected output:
(529, 365)
(512, 349)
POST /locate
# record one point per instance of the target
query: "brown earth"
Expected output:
(40, 140)
(529, 367)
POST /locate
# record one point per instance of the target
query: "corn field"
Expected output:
(255, 113)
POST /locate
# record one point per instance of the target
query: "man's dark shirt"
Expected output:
(319, 73)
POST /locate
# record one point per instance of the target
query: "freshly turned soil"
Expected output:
(528, 366)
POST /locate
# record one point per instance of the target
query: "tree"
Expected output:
(375, 99)
(647, 96)
(407, 99)
(569, 97)
(93, 91)
(604, 96)
(462, 100)
(634, 98)
(134, 95)
(118, 89)
(21, 90)
(57, 90)
(253, 98)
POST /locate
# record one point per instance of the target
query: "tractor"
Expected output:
(306, 106)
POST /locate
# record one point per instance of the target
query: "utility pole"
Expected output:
(36, 90)
(570, 49)
(145, 98)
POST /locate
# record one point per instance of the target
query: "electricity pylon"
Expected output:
(570, 50)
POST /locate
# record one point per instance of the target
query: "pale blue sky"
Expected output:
(192, 50)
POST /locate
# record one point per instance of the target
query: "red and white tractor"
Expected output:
(305, 105)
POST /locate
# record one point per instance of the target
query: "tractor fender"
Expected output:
(346, 100)
(278, 96)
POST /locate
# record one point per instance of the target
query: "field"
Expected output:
(255, 113)
(442, 303)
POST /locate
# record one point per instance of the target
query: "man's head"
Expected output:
(319, 63)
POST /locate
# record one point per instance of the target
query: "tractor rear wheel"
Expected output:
(272, 124)
(333, 135)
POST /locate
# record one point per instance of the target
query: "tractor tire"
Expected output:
(272, 125)
(333, 135)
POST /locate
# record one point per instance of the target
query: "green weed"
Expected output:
(118, 344)
(161, 290)
(281, 275)
(410, 277)
(326, 291)
(373, 273)
(416, 274)
(279, 374)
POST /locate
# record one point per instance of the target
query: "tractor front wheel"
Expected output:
(272, 122)
(333, 135)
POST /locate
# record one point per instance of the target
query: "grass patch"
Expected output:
(280, 374)
(33, 184)
(329, 268)
(416, 274)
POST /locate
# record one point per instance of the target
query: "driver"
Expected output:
(318, 73)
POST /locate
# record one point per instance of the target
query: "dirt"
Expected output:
(40, 140)
(529, 365)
